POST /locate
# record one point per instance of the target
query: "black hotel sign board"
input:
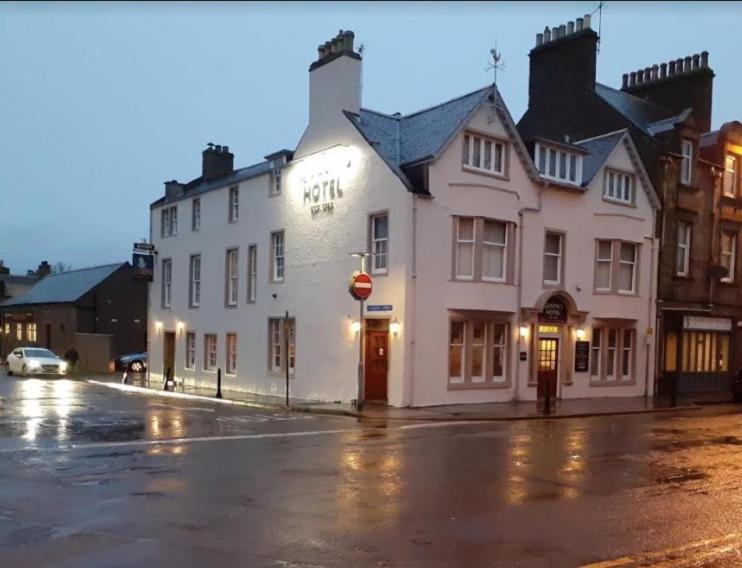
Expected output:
(554, 311)
(582, 356)
(143, 266)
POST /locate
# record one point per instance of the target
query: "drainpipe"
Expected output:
(412, 308)
(650, 305)
(519, 295)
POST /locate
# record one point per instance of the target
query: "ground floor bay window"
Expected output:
(477, 353)
(612, 355)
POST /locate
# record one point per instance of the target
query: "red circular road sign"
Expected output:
(360, 285)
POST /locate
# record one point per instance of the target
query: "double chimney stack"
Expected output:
(559, 32)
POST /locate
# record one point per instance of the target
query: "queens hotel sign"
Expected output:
(320, 190)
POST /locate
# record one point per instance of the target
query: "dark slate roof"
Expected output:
(11, 285)
(199, 185)
(600, 148)
(64, 287)
(638, 111)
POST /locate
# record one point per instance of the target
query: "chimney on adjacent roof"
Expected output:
(562, 63)
(173, 188)
(680, 83)
(335, 80)
(44, 269)
(217, 161)
(4, 269)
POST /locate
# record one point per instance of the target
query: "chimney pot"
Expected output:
(588, 21)
(554, 33)
(320, 51)
(632, 78)
(578, 24)
(547, 35)
(562, 30)
(334, 45)
(696, 60)
(678, 66)
(539, 39)
(687, 62)
(663, 70)
(348, 37)
(704, 59)
(625, 81)
(654, 72)
(671, 68)
(647, 74)
(639, 77)
(570, 28)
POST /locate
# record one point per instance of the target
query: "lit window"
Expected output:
(484, 154)
(190, 362)
(252, 272)
(277, 255)
(234, 204)
(686, 165)
(196, 214)
(604, 266)
(627, 344)
(559, 164)
(232, 274)
(494, 250)
(553, 259)
(19, 331)
(595, 353)
(499, 359)
(618, 187)
(705, 352)
(31, 332)
(231, 353)
(210, 352)
(380, 243)
(194, 290)
(611, 354)
(456, 352)
(731, 178)
(478, 343)
(167, 281)
(465, 248)
(728, 254)
(682, 260)
(477, 352)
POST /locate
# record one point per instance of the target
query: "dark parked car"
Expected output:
(136, 362)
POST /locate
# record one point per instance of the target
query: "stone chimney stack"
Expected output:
(217, 161)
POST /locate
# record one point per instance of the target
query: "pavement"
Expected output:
(138, 383)
(93, 476)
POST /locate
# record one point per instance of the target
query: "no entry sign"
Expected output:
(360, 285)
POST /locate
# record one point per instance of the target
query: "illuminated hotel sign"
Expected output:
(320, 192)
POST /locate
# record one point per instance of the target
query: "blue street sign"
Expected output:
(379, 308)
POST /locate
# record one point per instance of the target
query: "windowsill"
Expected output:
(233, 374)
(552, 284)
(190, 369)
(250, 302)
(616, 383)
(233, 221)
(562, 182)
(727, 283)
(493, 280)
(683, 277)
(212, 371)
(276, 282)
(274, 194)
(195, 230)
(687, 186)
(230, 306)
(380, 273)
(472, 281)
(625, 293)
(279, 374)
(488, 173)
(194, 307)
(480, 386)
(629, 204)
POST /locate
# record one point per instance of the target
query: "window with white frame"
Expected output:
(465, 248)
(196, 214)
(252, 272)
(276, 344)
(167, 281)
(194, 288)
(483, 153)
(210, 352)
(232, 276)
(277, 256)
(380, 243)
(31, 332)
(731, 177)
(190, 351)
(604, 266)
(627, 268)
(559, 164)
(686, 163)
(234, 204)
(682, 259)
(231, 366)
(276, 182)
(728, 254)
(477, 352)
(553, 258)
(169, 221)
(494, 250)
(612, 354)
(618, 187)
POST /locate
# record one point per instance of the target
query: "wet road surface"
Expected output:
(91, 477)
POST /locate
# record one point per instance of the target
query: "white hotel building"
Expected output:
(497, 267)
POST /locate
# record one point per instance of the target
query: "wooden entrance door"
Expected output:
(168, 363)
(48, 334)
(377, 359)
(548, 366)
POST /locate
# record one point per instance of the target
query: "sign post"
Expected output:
(360, 288)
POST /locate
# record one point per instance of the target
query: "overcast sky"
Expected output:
(100, 103)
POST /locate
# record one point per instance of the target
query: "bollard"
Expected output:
(126, 371)
(219, 383)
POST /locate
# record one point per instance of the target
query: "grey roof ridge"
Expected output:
(612, 133)
(435, 106)
(384, 114)
(396, 170)
(87, 268)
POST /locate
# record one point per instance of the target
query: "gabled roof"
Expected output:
(64, 287)
(639, 112)
(422, 136)
(601, 147)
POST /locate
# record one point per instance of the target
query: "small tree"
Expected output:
(61, 266)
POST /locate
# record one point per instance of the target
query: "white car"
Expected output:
(34, 361)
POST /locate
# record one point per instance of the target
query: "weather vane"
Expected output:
(495, 64)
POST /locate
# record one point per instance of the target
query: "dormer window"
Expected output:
(618, 187)
(559, 164)
(484, 154)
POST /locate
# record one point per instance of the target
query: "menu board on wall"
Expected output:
(582, 356)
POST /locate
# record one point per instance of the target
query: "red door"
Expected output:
(377, 358)
(548, 352)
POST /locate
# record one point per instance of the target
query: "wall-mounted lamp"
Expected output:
(394, 327)
(158, 326)
(179, 326)
(524, 331)
(580, 333)
(355, 326)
